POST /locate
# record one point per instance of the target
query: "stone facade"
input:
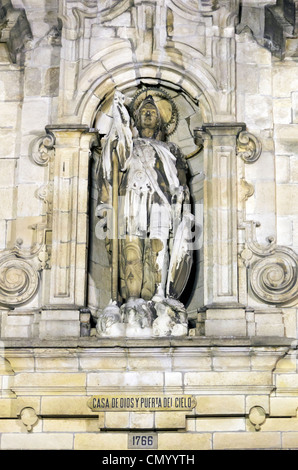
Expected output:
(233, 77)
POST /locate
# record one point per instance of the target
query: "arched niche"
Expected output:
(199, 84)
(193, 110)
(76, 279)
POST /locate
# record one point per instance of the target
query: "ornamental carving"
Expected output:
(272, 269)
(18, 281)
(246, 190)
(248, 147)
(274, 278)
(193, 7)
(42, 152)
(43, 149)
(29, 417)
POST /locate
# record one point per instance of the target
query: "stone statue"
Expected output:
(150, 254)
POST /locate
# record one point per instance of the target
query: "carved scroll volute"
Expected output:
(272, 269)
(43, 149)
(19, 268)
(18, 281)
(248, 147)
(274, 278)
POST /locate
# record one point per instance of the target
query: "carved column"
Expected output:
(68, 276)
(224, 314)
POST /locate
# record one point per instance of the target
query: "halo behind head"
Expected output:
(164, 103)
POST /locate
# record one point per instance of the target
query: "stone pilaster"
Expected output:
(224, 314)
(68, 277)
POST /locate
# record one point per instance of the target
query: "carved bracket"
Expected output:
(43, 149)
(248, 147)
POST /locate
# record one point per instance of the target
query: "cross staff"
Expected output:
(115, 256)
(117, 149)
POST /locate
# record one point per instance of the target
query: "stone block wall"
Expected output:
(29, 91)
(239, 392)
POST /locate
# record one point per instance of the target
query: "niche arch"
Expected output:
(200, 85)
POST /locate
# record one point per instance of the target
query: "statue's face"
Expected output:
(149, 118)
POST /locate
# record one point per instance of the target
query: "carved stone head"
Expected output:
(164, 105)
(148, 120)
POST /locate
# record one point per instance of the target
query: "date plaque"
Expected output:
(142, 441)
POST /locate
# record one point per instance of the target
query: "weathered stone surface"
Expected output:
(71, 425)
(165, 420)
(212, 404)
(289, 440)
(286, 196)
(125, 379)
(185, 441)
(58, 441)
(247, 440)
(75, 405)
(100, 441)
(49, 379)
(51, 82)
(144, 420)
(33, 84)
(117, 420)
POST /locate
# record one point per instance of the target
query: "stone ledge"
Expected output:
(92, 342)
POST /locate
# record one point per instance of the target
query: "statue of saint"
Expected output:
(150, 254)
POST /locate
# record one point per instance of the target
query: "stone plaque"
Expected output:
(142, 441)
(141, 402)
